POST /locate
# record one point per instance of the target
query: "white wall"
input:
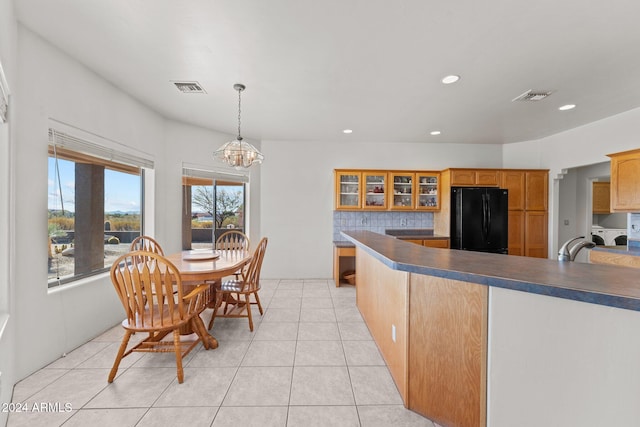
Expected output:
(298, 192)
(8, 37)
(582, 146)
(52, 85)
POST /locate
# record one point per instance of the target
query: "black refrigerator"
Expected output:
(479, 219)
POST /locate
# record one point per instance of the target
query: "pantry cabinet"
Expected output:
(625, 181)
(601, 197)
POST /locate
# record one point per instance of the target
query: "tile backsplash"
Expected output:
(378, 221)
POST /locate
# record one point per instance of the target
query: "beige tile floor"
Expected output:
(309, 362)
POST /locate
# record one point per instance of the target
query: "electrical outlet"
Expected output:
(393, 333)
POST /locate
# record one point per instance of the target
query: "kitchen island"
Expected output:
(485, 339)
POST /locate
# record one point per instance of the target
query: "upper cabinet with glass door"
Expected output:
(402, 191)
(375, 190)
(387, 190)
(428, 190)
(348, 190)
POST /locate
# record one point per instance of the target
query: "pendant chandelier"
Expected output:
(238, 153)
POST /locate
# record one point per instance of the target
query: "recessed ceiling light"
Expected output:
(567, 107)
(450, 79)
(436, 132)
(347, 131)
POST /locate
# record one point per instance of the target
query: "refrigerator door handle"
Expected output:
(484, 217)
(488, 216)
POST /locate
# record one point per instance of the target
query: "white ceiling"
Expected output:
(315, 67)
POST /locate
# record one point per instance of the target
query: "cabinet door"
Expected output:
(428, 191)
(514, 182)
(601, 198)
(487, 178)
(436, 243)
(402, 187)
(536, 234)
(348, 190)
(463, 177)
(375, 190)
(625, 181)
(516, 233)
(536, 190)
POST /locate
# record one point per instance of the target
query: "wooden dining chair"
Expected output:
(248, 284)
(232, 240)
(151, 292)
(146, 243)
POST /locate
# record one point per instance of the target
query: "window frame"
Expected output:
(78, 148)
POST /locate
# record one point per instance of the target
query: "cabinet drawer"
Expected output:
(436, 243)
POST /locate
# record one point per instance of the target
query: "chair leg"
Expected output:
(123, 347)
(248, 307)
(178, 349)
(215, 309)
(255, 294)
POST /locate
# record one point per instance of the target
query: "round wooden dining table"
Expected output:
(207, 266)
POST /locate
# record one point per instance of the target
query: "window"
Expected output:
(94, 206)
(212, 204)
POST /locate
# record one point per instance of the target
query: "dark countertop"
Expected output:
(609, 285)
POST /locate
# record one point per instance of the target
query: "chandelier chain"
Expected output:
(239, 104)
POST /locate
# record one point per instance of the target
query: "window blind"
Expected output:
(63, 142)
(201, 173)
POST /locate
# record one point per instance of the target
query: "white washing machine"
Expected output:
(598, 231)
(608, 234)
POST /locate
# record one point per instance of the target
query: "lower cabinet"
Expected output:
(431, 243)
(432, 333)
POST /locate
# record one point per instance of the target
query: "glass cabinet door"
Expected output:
(402, 197)
(375, 194)
(348, 190)
(428, 191)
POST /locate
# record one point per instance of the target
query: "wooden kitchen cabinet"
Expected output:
(481, 177)
(536, 190)
(516, 237)
(430, 243)
(514, 181)
(625, 181)
(348, 189)
(601, 197)
(374, 190)
(535, 231)
(402, 194)
(359, 189)
(427, 191)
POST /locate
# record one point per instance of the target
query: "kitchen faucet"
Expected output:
(567, 253)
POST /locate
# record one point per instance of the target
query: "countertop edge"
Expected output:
(573, 281)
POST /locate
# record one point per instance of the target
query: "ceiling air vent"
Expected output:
(532, 95)
(189, 87)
